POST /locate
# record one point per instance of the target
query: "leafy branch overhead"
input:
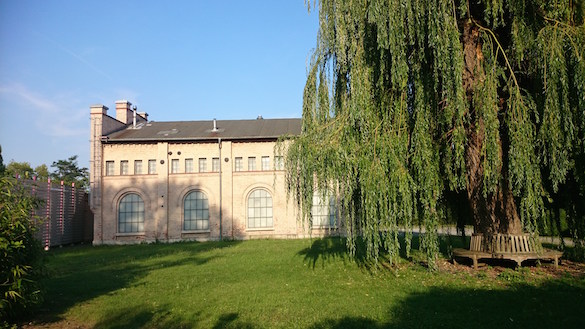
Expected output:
(409, 102)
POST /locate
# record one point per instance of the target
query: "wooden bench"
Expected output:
(517, 248)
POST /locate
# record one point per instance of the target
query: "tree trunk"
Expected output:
(495, 212)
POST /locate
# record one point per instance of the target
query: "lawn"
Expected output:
(295, 283)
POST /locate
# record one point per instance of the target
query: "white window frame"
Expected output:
(124, 170)
(196, 211)
(260, 210)
(110, 168)
(137, 167)
(239, 164)
(324, 211)
(251, 163)
(174, 166)
(265, 163)
(152, 167)
(189, 168)
(132, 212)
(215, 164)
(202, 164)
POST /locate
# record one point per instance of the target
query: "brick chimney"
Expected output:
(124, 112)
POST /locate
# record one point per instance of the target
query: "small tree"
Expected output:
(42, 172)
(69, 172)
(20, 252)
(22, 169)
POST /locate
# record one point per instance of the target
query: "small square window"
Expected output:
(278, 163)
(251, 163)
(109, 168)
(215, 164)
(189, 165)
(124, 167)
(151, 167)
(239, 164)
(265, 163)
(202, 164)
(174, 166)
(137, 167)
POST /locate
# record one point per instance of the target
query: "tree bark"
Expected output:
(495, 212)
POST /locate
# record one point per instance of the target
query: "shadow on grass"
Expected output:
(324, 250)
(75, 277)
(555, 304)
(161, 317)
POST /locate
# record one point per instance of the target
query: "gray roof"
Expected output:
(203, 130)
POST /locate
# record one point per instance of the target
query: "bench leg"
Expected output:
(556, 262)
(475, 265)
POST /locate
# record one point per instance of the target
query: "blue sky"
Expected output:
(175, 60)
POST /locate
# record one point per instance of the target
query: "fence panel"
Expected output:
(64, 216)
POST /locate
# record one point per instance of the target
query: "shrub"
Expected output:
(20, 252)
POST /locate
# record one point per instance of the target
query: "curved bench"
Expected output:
(515, 247)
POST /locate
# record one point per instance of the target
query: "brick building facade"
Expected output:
(190, 180)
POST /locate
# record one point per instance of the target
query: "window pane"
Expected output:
(202, 164)
(137, 167)
(131, 214)
(278, 163)
(109, 168)
(251, 163)
(265, 163)
(215, 164)
(259, 209)
(196, 211)
(151, 167)
(239, 164)
(323, 210)
(124, 167)
(189, 165)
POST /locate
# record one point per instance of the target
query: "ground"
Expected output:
(497, 272)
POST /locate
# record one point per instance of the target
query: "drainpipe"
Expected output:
(220, 206)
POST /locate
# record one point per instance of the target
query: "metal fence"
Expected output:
(64, 217)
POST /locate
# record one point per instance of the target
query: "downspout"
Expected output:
(220, 194)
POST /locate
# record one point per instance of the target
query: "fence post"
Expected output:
(62, 211)
(48, 216)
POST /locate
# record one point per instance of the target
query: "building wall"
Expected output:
(163, 193)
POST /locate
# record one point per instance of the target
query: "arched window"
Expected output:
(259, 209)
(196, 211)
(131, 214)
(324, 211)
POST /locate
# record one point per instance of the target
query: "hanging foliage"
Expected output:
(406, 100)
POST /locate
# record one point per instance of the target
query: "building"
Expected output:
(190, 180)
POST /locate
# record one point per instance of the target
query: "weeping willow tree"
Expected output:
(406, 101)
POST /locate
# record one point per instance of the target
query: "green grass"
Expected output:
(290, 283)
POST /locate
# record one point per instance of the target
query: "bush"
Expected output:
(20, 252)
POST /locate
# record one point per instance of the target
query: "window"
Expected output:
(278, 163)
(196, 211)
(151, 167)
(202, 164)
(174, 166)
(324, 212)
(189, 165)
(251, 163)
(137, 167)
(131, 214)
(124, 167)
(239, 164)
(259, 209)
(265, 163)
(109, 168)
(215, 164)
